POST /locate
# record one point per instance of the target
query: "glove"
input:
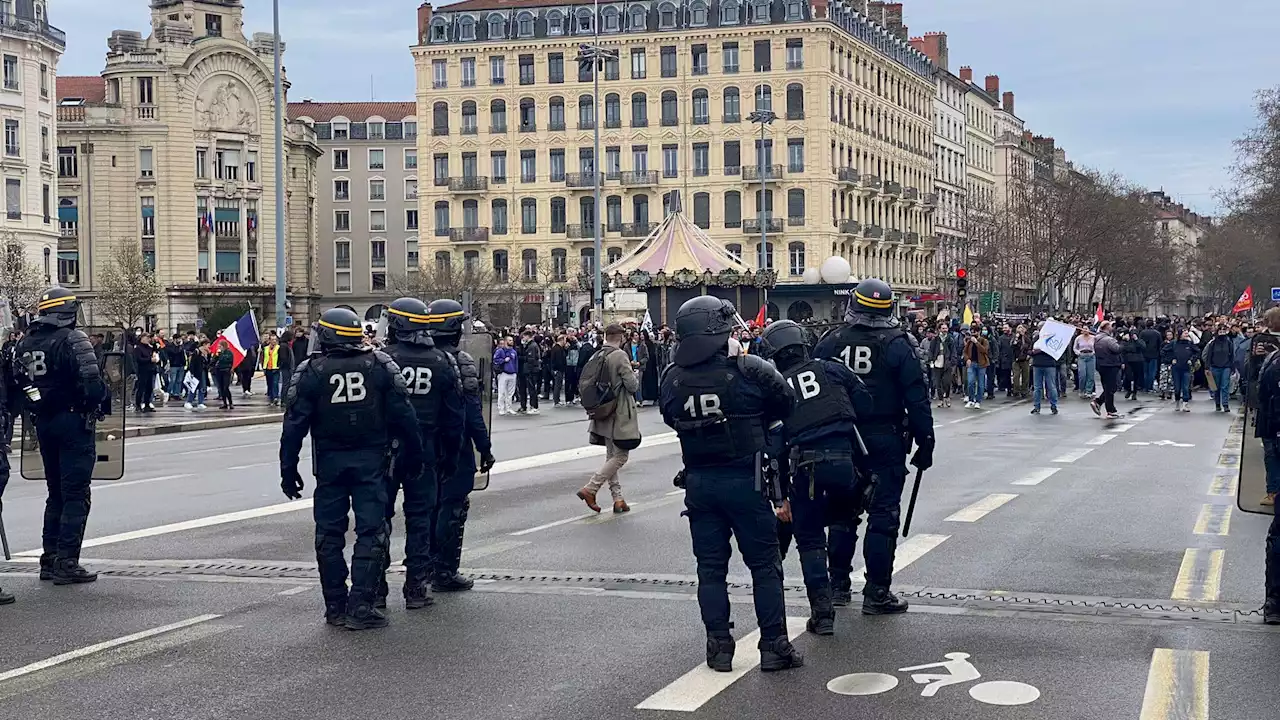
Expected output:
(486, 462)
(291, 483)
(923, 459)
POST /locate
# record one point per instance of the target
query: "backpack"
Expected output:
(598, 397)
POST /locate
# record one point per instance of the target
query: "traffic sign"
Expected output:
(1275, 294)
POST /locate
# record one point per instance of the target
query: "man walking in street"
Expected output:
(1044, 380)
(506, 364)
(530, 372)
(1151, 339)
(1107, 353)
(619, 431)
(1220, 357)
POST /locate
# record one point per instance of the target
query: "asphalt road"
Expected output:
(1085, 571)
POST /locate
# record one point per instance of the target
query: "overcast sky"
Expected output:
(1153, 89)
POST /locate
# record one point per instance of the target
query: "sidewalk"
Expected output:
(172, 417)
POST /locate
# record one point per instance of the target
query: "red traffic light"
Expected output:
(961, 273)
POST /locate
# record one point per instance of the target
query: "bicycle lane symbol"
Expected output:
(955, 670)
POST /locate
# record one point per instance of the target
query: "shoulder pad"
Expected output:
(387, 362)
(77, 335)
(755, 367)
(911, 340)
(468, 373)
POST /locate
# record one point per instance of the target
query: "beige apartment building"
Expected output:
(508, 121)
(368, 200)
(171, 150)
(29, 51)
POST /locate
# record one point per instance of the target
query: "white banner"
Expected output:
(1055, 338)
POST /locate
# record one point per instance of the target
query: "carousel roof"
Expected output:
(676, 244)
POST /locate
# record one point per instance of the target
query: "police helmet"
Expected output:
(339, 327)
(445, 317)
(57, 307)
(702, 327)
(872, 296)
(407, 321)
(779, 336)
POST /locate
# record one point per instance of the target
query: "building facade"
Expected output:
(171, 151)
(29, 52)
(1185, 231)
(950, 179)
(368, 201)
(845, 168)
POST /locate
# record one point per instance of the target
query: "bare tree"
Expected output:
(450, 280)
(127, 287)
(21, 283)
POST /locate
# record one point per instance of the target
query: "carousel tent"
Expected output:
(678, 261)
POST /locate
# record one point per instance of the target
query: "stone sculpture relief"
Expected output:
(225, 104)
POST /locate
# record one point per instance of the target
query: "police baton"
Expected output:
(4, 539)
(911, 506)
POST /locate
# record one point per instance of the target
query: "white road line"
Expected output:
(578, 453)
(501, 546)
(1122, 427)
(548, 526)
(913, 549)
(1035, 477)
(676, 492)
(130, 442)
(1072, 456)
(295, 590)
(701, 684)
(980, 509)
(126, 483)
(1102, 439)
(102, 646)
(229, 447)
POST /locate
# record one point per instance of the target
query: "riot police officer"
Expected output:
(822, 446)
(445, 320)
(353, 401)
(435, 390)
(876, 349)
(1267, 429)
(721, 407)
(59, 373)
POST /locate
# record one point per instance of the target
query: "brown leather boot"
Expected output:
(621, 506)
(588, 497)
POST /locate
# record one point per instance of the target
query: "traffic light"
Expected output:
(962, 285)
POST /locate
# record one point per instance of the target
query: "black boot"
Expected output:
(720, 647)
(452, 582)
(417, 596)
(47, 562)
(1271, 612)
(380, 593)
(822, 615)
(879, 601)
(335, 613)
(841, 594)
(779, 654)
(69, 572)
(8, 599)
(364, 616)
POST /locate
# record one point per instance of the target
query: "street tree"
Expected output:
(128, 289)
(21, 282)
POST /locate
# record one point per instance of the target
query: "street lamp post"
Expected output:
(763, 118)
(279, 162)
(593, 56)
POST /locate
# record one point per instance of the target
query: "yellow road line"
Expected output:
(1213, 520)
(1223, 486)
(1177, 686)
(1200, 577)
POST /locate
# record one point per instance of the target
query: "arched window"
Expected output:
(795, 101)
(587, 213)
(612, 111)
(442, 218)
(768, 203)
(586, 112)
(799, 310)
(639, 110)
(768, 256)
(613, 255)
(764, 98)
(559, 261)
(497, 26)
(498, 116)
(529, 265)
(439, 30)
(467, 28)
(795, 259)
(670, 108)
(640, 213)
(698, 13)
(730, 13)
(587, 260)
(470, 213)
(498, 219)
(733, 211)
(525, 24)
(612, 19)
(613, 213)
(555, 23)
(760, 11)
(734, 249)
(666, 16)
(702, 210)
(638, 18)
(471, 262)
(440, 118)
(501, 267)
(469, 123)
(585, 21)
(558, 215)
(555, 107)
(444, 262)
(528, 216)
(528, 115)
(701, 107)
(732, 105)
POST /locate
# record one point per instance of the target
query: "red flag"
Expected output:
(1097, 315)
(1245, 302)
(759, 321)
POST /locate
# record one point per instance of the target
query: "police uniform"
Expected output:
(445, 319)
(58, 362)
(353, 401)
(820, 437)
(877, 350)
(1267, 429)
(720, 408)
(5, 598)
(435, 391)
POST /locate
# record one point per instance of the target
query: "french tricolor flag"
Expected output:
(241, 336)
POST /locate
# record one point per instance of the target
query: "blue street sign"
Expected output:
(288, 319)
(1275, 294)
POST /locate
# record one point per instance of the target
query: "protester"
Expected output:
(145, 360)
(530, 373)
(1219, 356)
(639, 355)
(1086, 364)
(1110, 359)
(223, 363)
(270, 362)
(1134, 352)
(1151, 339)
(1182, 355)
(506, 362)
(977, 358)
(619, 432)
(197, 367)
(557, 362)
(1044, 380)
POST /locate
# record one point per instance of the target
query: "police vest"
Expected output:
(271, 358)
(425, 372)
(819, 399)
(716, 422)
(350, 408)
(867, 352)
(49, 364)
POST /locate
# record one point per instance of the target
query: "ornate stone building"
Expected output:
(171, 150)
(508, 118)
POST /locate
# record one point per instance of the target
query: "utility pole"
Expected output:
(595, 56)
(280, 169)
(763, 118)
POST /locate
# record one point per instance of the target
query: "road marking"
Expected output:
(1214, 520)
(102, 646)
(1200, 577)
(578, 453)
(228, 447)
(126, 483)
(492, 549)
(701, 684)
(915, 548)
(1229, 461)
(1163, 443)
(1223, 485)
(1177, 686)
(295, 590)
(304, 504)
(1037, 476)
(1101, 439)
(548, 526)
(1122, 427)
(130, 442)
(1072, 456)
(979, 510)
(676, 492)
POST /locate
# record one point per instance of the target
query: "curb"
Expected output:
(197, 425)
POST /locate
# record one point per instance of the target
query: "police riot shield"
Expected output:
(1251, 487)
(480, 347)
(108, 428)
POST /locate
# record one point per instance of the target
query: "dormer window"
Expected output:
(497, 28)
(439, 30)
(212, 25)
(698, 14)
(555, 23)
(794, 10)
(730, 14)
(341, 129)
(667, 17)
(585, 20)
(638, 18)
(760, 11)
(612, 20)
(526, 25)
(467, 29)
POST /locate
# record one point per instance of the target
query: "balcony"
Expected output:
(930, 201)
(469, 184)
(668, 121)
(580, 231)
(795, 221)
(731, 118)
(893, 236)
(752, 173)
(469, 235)
(752, 226)
(498, 128)
(850, 227)
(12, 22)
(612, 123)
(70, 114)
(874, 232)
(582, 180)
(911, 194)
(893, 188)
(639, 122)
(556, 126)
(872, 183)
(733, 170)
(528, 127)
(911, 238)
(795, 114)
(471, 129)
(639, 178)
(848, 175)
(638, 230)
(586, 124)
(146, 112)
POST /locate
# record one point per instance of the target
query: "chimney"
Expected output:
(933, 45)
(1007, 102)
(424, 23)
(966, 74)
(993, 85)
